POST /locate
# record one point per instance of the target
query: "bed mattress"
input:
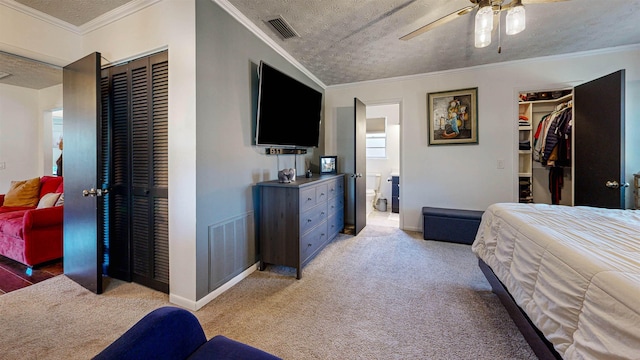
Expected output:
(575, 271)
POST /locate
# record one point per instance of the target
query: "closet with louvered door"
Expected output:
(136, 213)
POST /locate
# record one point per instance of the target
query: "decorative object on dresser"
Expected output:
(287, 175)
(297, 220)
(328, 164)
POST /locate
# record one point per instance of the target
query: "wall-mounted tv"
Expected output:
(288, 110)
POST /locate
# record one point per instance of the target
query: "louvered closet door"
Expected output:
(136, 215)
(149, 171)
(115, 85)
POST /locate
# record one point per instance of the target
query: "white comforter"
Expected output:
(575, 271)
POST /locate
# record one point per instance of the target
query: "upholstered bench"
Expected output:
(451, 225)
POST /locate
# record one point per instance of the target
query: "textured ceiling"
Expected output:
(345, 41)
(28, 73)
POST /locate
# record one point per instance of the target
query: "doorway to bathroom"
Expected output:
(383, 164)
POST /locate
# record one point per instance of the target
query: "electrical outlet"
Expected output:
(500, 164)
(3, 165)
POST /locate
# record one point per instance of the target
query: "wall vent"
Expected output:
(232, 248)
(283, 28)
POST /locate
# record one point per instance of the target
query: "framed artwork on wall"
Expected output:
(452, 117)
(328, 165)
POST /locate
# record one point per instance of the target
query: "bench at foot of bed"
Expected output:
(451, 225)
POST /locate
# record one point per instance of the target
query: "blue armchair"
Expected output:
(172, 333)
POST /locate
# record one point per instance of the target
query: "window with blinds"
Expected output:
(376, 139)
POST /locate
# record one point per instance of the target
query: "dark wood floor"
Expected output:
(13, 274)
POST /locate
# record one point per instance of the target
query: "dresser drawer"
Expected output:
(313, 240)
(322, 193)
(335, 224)
(335, 205)
(336, 188)
(313, 217)
(307, 198)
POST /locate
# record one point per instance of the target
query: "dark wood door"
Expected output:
(82, 121)
(360, 138)
(599, 142)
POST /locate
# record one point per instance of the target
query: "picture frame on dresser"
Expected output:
(328, 165)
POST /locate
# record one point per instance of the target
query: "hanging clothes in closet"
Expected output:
(552, 145)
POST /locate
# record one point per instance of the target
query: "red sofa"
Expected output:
(29, 235)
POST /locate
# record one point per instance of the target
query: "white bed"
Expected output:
(574, 271)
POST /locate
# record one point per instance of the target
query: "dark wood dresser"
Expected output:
(298, 219)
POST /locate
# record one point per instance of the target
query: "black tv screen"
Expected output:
(288, 110)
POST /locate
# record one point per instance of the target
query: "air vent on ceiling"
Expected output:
(283, 28)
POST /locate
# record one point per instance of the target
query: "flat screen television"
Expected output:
(288, 110)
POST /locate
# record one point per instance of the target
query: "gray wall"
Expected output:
(227, 162)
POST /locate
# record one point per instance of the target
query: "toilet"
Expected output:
(373, 186)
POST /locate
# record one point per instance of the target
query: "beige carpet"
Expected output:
(385, 294)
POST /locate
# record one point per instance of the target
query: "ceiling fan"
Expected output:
(487, 9)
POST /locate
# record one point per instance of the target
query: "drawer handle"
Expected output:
(322, 213)
(321, 235)
(309, 199)
(321, 194)
(309, 220)
(308, 245)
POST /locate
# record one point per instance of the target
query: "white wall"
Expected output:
(169, 24)
(18, 116)
(22, 109)
(27, 36)
(466, 176)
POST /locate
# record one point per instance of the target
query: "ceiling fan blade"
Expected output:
(442, 20)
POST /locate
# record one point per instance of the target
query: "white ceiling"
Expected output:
(345, 41)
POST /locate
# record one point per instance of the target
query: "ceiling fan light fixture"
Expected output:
(516, 19)
(484, 19)
(484, 25)
(483, 38)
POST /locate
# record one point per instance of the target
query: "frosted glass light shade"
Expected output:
(484, 19)
(483, 38)
(515, 20)
(484, 26)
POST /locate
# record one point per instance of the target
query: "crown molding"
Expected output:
(102, 20)
(236, 14)
(115, 14)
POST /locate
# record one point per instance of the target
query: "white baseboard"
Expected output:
(196, 305)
